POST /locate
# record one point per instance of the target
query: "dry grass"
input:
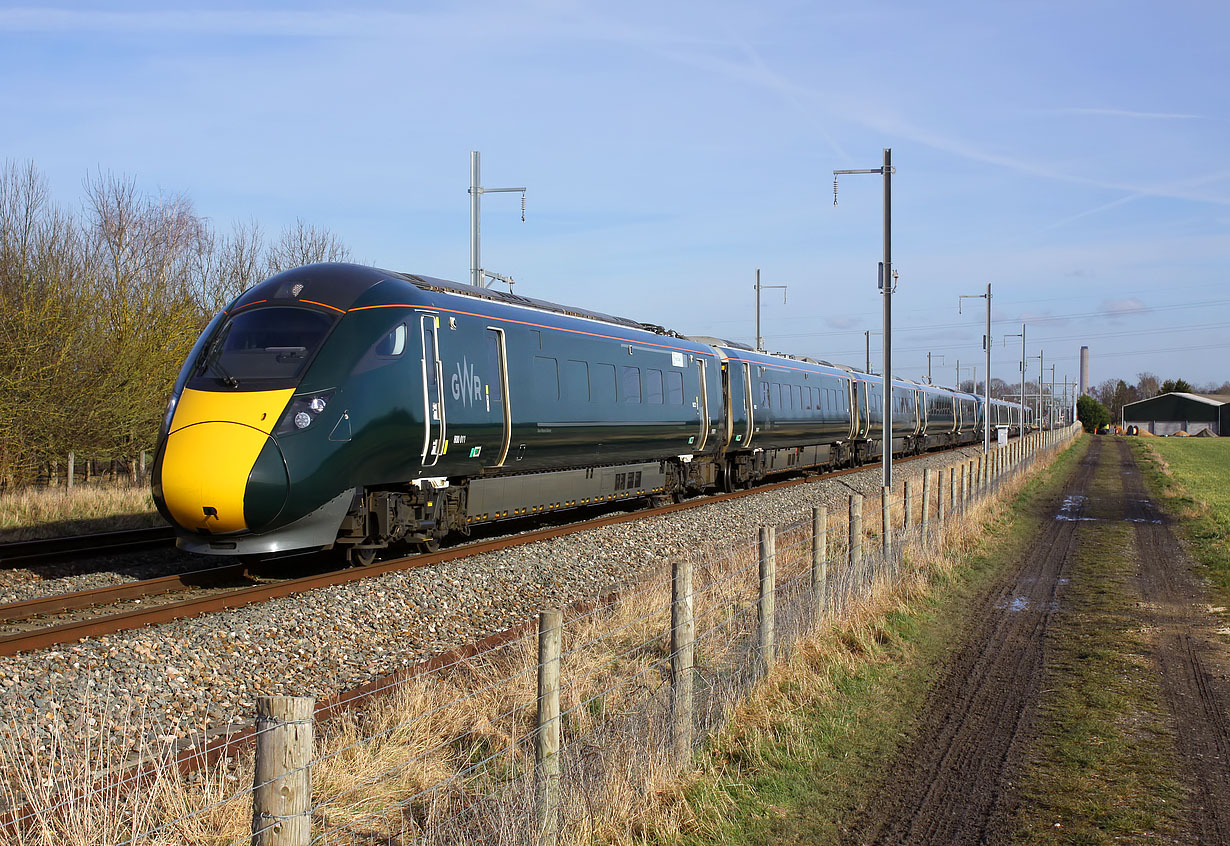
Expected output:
(449, 757)
(31, 513)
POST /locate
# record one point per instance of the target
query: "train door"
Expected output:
(434, 431)
(497, 390)
(703, 406)
(728, 410)
(747, 402)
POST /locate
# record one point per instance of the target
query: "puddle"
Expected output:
(1020, 603)
(1142, 520)
(1070, 510)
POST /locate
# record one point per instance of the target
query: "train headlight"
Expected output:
(301, 413)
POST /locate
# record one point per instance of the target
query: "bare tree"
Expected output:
(1147, 385)
(102, 307)
(304, 244)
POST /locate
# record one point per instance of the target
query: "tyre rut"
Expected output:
(952, 783)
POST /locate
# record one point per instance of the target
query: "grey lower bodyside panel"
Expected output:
(537, 490)
(314, 530)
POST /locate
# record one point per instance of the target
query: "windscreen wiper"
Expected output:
(211, 360)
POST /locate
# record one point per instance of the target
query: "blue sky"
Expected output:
(1072, 154)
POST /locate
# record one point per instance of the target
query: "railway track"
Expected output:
(218, 597)
(46, 550)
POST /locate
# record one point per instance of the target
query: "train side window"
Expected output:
(796, 397)
(630, 384)
(546, 379)
(576, 380)
(653, 386)
(392, 344)
(765, 390)
(674, 387)
(780, 400)
(602, 383)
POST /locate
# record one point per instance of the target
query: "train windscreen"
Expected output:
(262, 349)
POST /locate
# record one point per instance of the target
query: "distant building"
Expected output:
(1178, 412)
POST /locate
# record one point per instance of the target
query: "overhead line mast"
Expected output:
(886, 288)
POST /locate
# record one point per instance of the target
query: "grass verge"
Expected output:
(1104, 767)
(803, 754)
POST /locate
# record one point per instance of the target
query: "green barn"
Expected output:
(1180, 412)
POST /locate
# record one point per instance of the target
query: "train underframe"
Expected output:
(422, 513)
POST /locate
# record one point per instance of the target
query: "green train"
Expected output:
(337, 406)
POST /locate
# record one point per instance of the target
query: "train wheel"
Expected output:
(361, 556)
(432, 545)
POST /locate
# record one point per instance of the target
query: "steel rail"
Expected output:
(13, 644)
(81, 600)
(24, 553)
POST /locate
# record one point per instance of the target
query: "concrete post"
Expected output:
(886, 526)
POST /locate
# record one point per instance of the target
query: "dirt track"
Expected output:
(953, 781)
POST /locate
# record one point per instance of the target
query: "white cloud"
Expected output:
(1114, 308)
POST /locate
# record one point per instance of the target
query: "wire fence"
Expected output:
(574, 731)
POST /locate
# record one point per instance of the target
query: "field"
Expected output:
(35, 512)
(1191, 476)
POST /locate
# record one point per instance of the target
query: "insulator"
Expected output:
(834, 190)
(523, 207)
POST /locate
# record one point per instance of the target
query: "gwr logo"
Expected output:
(466, 385)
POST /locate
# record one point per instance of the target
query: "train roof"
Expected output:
(430, 283)
(339, 285)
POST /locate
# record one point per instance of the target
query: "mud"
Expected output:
(954, 781)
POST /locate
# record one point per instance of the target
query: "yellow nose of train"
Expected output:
(214, 441)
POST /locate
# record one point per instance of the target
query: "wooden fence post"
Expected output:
(939, 502)
(683, 635)
(926, 504)
(907, 520)
(282, 781)
(854, 552)
(820, 557)
(966, 467)
(547, 740)
(768, 588)
(72, 463)
(952, 492)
